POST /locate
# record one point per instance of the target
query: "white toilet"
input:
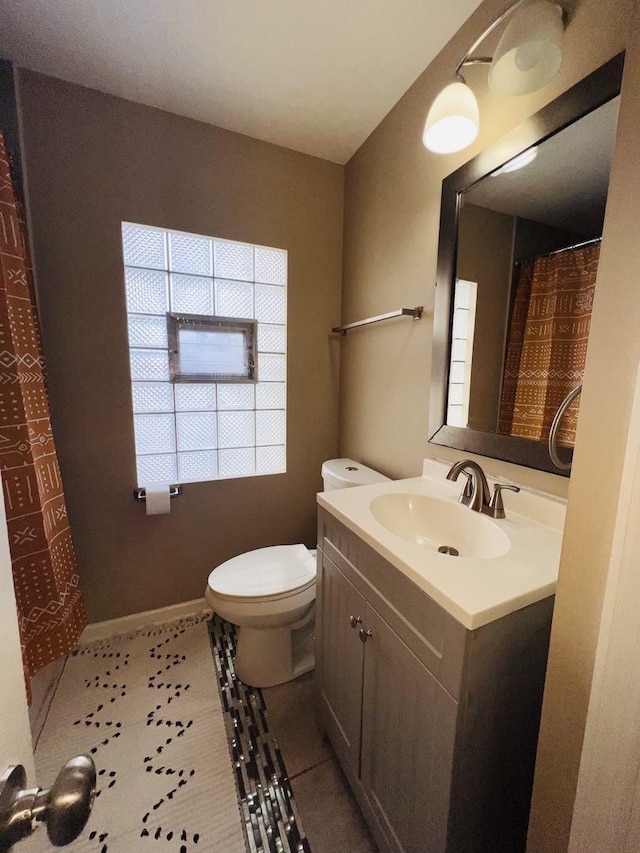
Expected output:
(270, 595)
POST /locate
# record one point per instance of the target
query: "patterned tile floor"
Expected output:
(268, 807)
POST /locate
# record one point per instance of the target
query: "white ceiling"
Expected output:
(313, 75)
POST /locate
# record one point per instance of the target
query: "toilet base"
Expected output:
(269, 656)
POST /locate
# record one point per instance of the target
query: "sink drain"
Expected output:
(449, 549)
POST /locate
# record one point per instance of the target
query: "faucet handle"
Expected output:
(467, 491)
(496, 506)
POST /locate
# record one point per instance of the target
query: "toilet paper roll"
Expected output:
(157, 499)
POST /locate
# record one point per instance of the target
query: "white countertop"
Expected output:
(475, 591)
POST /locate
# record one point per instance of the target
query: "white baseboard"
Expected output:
(135, 621)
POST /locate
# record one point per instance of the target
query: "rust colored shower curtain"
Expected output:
(51, 611)
(547, 344)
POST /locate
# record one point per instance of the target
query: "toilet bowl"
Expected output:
(270, 595)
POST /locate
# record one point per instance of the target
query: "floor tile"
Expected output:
(43, 688)
(291, 711)
(270, 814)
(331, 816)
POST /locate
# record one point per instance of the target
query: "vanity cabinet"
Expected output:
(435, 726)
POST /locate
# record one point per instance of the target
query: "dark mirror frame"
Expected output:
(596, 89)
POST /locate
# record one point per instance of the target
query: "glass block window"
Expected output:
(464, 317)
(210, 426)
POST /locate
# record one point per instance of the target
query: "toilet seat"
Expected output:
(266, 574)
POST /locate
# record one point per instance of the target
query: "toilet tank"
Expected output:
(343, 473)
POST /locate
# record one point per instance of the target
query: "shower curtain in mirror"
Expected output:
(547, 343)
(51, 611)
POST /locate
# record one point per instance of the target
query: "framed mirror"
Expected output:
(520, 230)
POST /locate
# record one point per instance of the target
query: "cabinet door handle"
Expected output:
(354, 621)
(365, 634)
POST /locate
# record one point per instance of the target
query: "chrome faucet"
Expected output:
(478, 496)
(476, 493)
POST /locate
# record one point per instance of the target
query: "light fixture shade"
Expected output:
(453, 120)
(530, 51)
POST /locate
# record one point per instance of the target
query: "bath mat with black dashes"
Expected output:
(147, 708)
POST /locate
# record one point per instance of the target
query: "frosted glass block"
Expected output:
(144, 247)
(236, 429)
(193, 467)
(271, 460)
(454, 416)
(272, 367)
(456, 372)
(233, 260)
(194, 398)
(459, 349)
(147, 331)
(191, 294)
(238, 462)
(190, 254)
(271, 303)
(152, 397)
(197, 430)
(271, 265)
(156, 469)
(146, 291)
(271, 395)
(460, 323)
(272, 338)
(270, 427)
(234, 299)
(236, 397)
(456, 395)
(462, 297)
(149, 364)
(155, 433)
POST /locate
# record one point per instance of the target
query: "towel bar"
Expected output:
(415, 313)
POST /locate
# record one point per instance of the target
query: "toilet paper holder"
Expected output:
(141, 494)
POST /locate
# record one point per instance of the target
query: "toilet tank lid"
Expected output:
(348, 472)
(265, 571)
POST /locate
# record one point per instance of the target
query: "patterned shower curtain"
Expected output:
(51, 611)
(547, 344)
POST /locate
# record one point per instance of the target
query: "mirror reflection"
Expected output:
(528, 247)
(527, 243)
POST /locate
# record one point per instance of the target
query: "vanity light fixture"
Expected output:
(527, 57)
(516, 163)
(453, 120)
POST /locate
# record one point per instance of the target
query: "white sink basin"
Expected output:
(437, 525)
(503, 564)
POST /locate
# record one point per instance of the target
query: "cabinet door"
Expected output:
(340, 661)
(408, 735)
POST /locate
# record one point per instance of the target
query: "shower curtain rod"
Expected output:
(581, 245)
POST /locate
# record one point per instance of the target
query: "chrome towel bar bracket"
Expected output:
(414, 313)
(141, 494)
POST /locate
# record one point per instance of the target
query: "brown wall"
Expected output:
(92, 161)
(392, 204)
(485, 255)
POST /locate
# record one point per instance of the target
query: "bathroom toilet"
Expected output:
(270, 595)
